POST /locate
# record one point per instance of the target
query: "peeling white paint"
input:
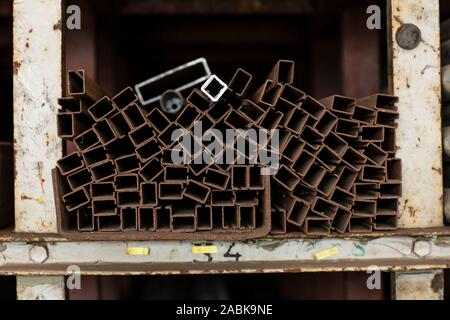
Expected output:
(416, 80)
(37, 85)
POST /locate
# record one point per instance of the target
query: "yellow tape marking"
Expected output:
(138, 251)
(204, 249)
(326, 253)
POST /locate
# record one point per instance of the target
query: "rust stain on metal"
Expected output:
(16, 67)
(57, 26)
(438, 170)
(437, 282)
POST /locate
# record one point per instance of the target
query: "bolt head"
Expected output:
(422, 248)
(38, 254)
(408, 36)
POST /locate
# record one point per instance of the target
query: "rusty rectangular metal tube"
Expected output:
(336, 143)
(183, 223)
(199, 100)
(129, 219)
(386, 223)
(240, 177)
(315, 225)
(187, 116)
(119, 125)
(198, 168)
(167, 137)
(287, 109)
(126, 182)
(390, 190)
(127, 164)
(109, 223)
(365, 208)
(102, 109)
(148, 150)
(292, 95)
(103, 171)
(297, 212)
(105, 132)
(79, 178)
(70, 163)
(347, 128)
(170, 191)
(76, 199)
(220, 110)
(141, 134)
(128, 199)
(86, 140)
(341, 221)
(176, 173)
(222, 198)
(394, 170)
(271, 119)
(216, 179)
(347, 178)
(389, 144)
(104, 207)
(230, 218)
(387, 118)
(235, 119)
(326, 123)
(268, 94)
(149, 194)
(283, 71)
(158, 120)
(314, 176)
(256, 181)
(163, 216)
(102, 190)
(364, 115)
(366, 191)
(94, 155)
(146, 219)
(354, 159)
(278, 220)
(251, 110)
(85, 220)
(297, 121)
(375, 154)
(197, 191)
(134, 115)
(384, 101)
(304, 193)
(343, 198)
(328, 183)
(372, 134)
(312, 137)
(286, 178)
(325, 208)
(124, 98)
(73, 105)
(360, 224)
(328, 158)
(303, 163)
(246, 198)
(70, 125)
(79, 84)
(387, 207)
(293, 149)
(247, 218)
(313, 108)
(371, 173)
(204, 216)
(340, 105)
(240, 83)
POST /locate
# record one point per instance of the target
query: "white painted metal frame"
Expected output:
(37, 84)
